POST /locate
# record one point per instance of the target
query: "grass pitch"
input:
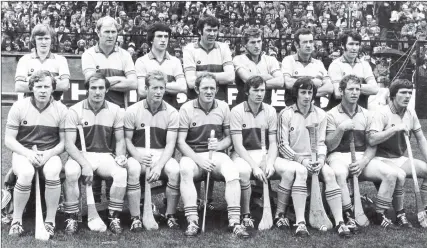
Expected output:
(216, 227)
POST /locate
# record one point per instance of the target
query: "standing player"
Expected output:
(196, 120)
(349, 117)
(163, 121)
(302, 64)
(208, 55)
(294, 147)
(113, 62)
(387, 132)
(349, 63)
(255, 62)
(36, 120)
(103, 125)
(246, 121)
(159, 59)
(42, 37)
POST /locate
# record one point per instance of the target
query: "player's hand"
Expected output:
(212, 144)
(206, 164)
(121, 161)
(346, 125)
(315, 167)
(402, 127)
(145, 158)
(154, 173)
(317, 81)
(87, 175)
(259, 174)
(355, 168)
(44, 156)
(34, 158)
(269, 171)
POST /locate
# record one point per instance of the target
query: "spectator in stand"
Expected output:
(408, 30)
(81, 47)
(405, 14)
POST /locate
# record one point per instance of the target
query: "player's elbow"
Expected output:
(182, 87)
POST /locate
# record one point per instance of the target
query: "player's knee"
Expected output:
(230, 172)
(172, 170)
(341, 176)
(120, 176)
(401, 176)
(72, 171)
(133, 169)
(186, 167)
(301, 173)
(390, 177)
(52, 169)
(26, 176)
(245, 173)
(328, 176)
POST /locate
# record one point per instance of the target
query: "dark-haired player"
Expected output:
(36, 120)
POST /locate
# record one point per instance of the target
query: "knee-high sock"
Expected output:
(134, 198)
(382, 203)
(333, 197)
(117, 195)
(397, 201)
(172, 196)
(189, 197)
(283, 195)
(299, 197)
(52, 194)
(246, 191)
(232, 197)
(21, 194)
(191, 213)
(233, 215)
(423, 190)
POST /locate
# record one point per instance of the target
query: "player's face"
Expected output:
(402, 97)
(306, 44)
(304, 97)
(351, 93)
(155, 91)
(256, 95)
(43, 43)
(97, 91)
(254, 45)
(209, 34)
(108, 34)
(351, 48)
(207, 90)
(43, 90)
(160, 40)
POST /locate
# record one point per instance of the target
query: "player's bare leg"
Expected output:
(245, 173)
(71, 195)
(299, 197)
(287, 176)
(51, 170)
(24, 171)
(333, 197)
(134, 193)
(171, 170)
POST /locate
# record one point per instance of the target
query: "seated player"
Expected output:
(36, 120)
(348, 117)
(196, 120)
(102, 123)
(294, 147)
(163, 121)
(388, 128)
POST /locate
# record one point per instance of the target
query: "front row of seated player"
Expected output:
(110, 132)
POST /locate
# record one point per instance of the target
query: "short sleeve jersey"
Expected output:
(293, 66)
(292, 131)
(247, 123)
(170, 65)
(117, 63)
(198, 123)
(139, 116)
(196, 58)
(98, 127)
(361, 120)
(387, 118)
(36, 126)
(266, 65)
(340, 67)
(56, 64)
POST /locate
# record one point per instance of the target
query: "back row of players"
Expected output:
(110, 74)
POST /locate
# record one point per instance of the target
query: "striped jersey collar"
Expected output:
(248, 108)
(151, 55)
(298, 58)
(250, 58)
(86, 105)
(196, 104)
(295, 108)
(393, 109)
(342, 110)
(344, 60)
(198, 45)
(33, 102)
(34, 55)
(99, 50)
(161, 107)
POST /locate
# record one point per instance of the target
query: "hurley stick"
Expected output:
(267, 218)
(207, 184)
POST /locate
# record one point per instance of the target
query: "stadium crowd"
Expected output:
(75, 21)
